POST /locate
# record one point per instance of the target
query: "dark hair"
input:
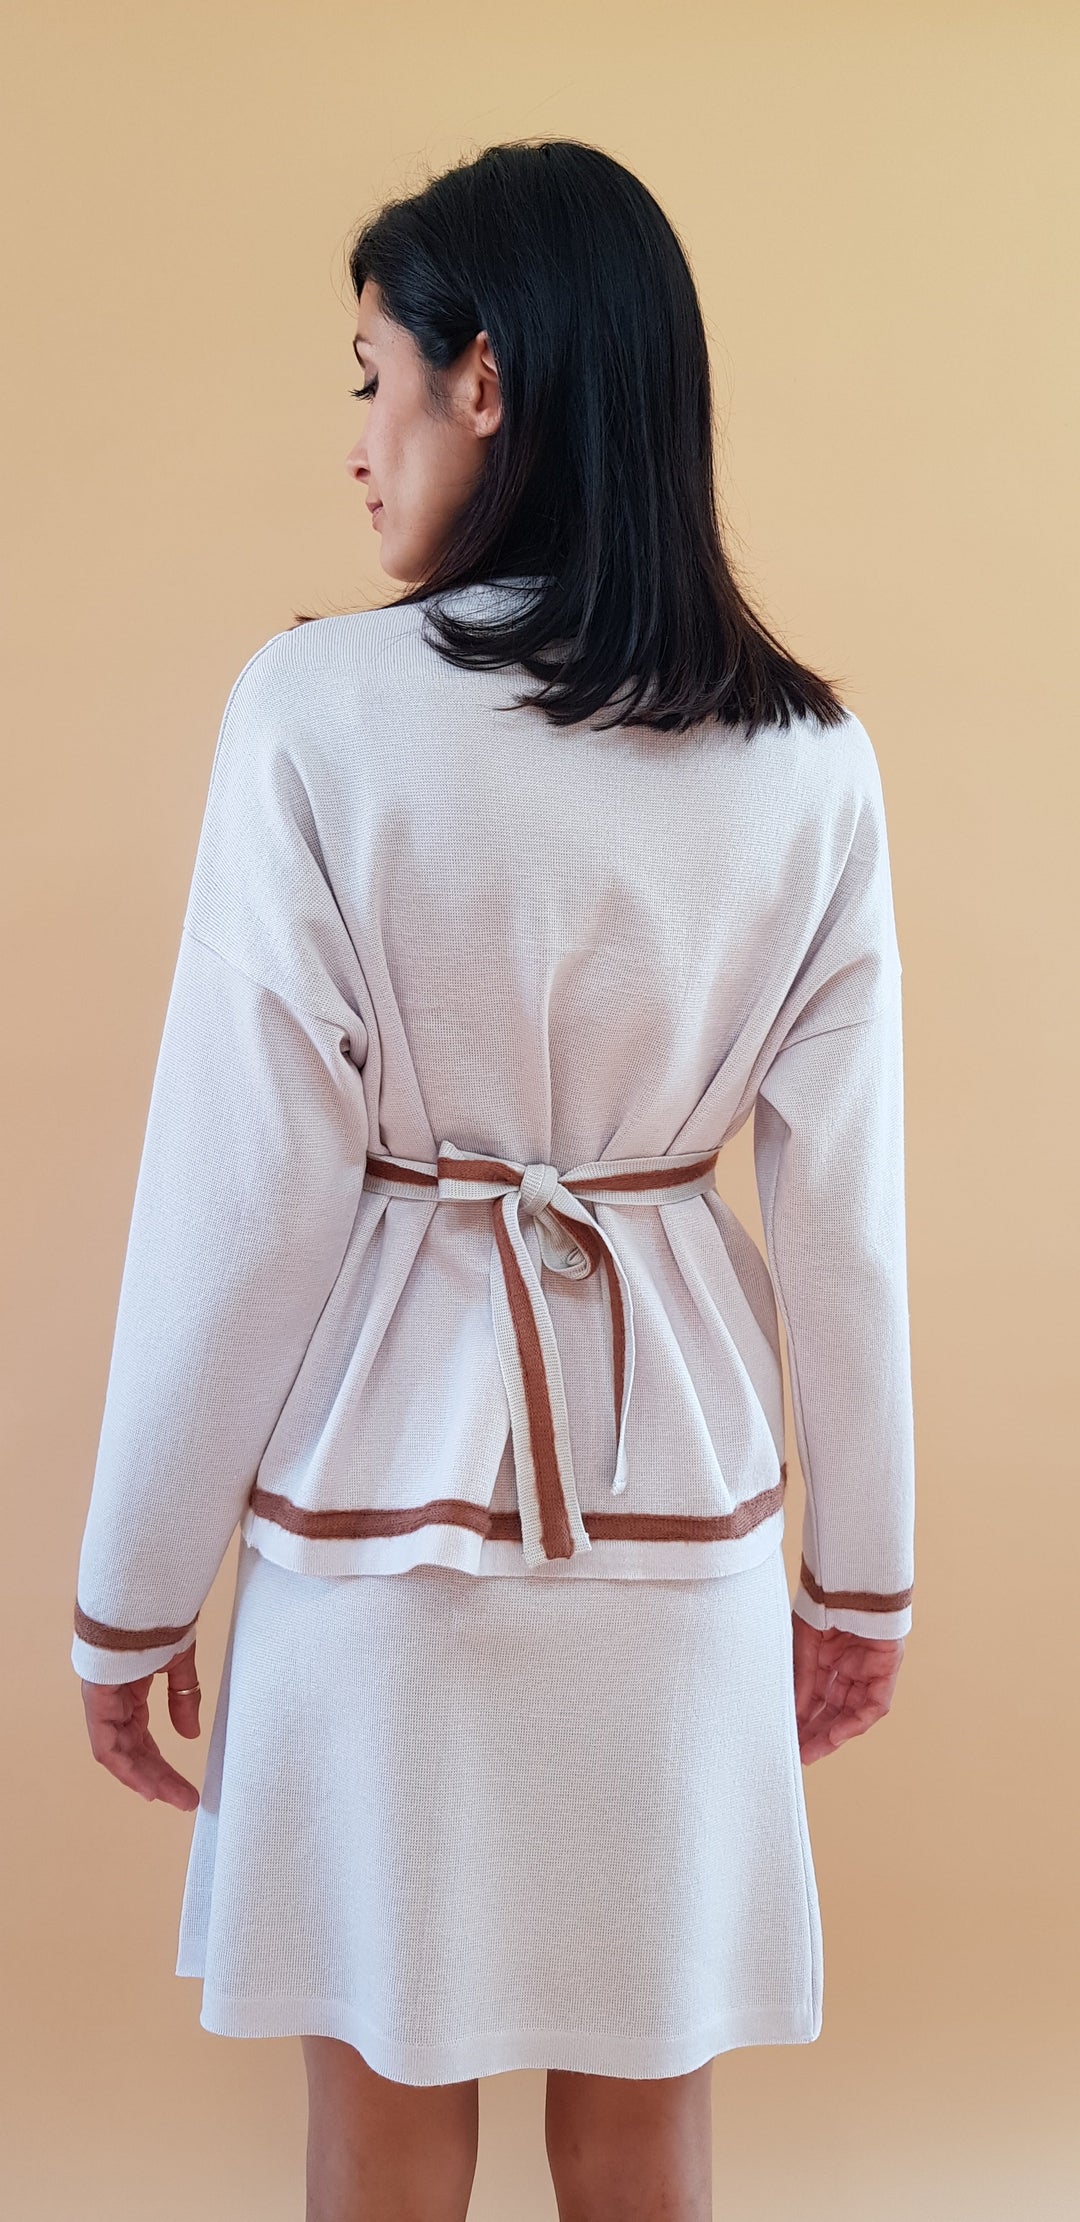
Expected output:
(599, 484)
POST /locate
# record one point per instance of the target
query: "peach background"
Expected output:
(879, 207)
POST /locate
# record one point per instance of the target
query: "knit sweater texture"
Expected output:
(427, 1260)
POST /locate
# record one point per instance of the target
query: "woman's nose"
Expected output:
(355, 464)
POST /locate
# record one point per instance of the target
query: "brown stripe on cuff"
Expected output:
(505, 1527)
(854, 1600)
(125, 1639)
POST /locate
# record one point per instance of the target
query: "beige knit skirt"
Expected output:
(475, 1824)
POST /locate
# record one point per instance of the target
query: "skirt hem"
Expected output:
(580, 2051)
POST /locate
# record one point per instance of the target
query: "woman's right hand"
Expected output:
(118, 1719)
(843, 1684)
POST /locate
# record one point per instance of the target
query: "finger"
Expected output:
(184, 1692)
(855, 1723)
(819, 1736)
(123, 1723)
(842, 1732)
(173, 1788)
(814, 1744)
(814, 1667)
(805, 1648)
(852, 1705)
(115, 1700)
(128, 1751)
(149, 1773)
(821, 1711)
(827, 1734)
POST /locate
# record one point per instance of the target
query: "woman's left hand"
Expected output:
(843, 1684)
(118, 1720)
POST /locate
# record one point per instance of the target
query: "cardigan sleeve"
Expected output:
(829, 1159)
(251, 1172)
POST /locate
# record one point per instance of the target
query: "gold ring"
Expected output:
(185, 1693)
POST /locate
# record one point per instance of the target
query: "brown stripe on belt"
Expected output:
(555, 1534)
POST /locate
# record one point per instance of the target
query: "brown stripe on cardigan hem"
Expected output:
(854, 1600)
(106, 1638)
(505, 1527)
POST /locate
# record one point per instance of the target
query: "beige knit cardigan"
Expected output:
(428, 1259)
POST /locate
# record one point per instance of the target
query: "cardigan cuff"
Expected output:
(859, 1612)
(102, 1653)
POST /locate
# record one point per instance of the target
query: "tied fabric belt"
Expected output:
(571, 1242)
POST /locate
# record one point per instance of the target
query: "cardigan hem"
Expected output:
(464, 1551)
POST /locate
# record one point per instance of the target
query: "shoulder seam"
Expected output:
(318, 1018)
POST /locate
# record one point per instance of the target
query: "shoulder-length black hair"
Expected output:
(599, 485)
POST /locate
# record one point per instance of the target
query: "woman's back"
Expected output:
(549, 946)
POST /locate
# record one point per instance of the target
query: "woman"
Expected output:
(474, 985)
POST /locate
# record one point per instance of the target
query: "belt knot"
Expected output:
(538, 1185)
(572, 1242)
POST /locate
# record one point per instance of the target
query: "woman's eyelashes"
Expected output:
(365, 393)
